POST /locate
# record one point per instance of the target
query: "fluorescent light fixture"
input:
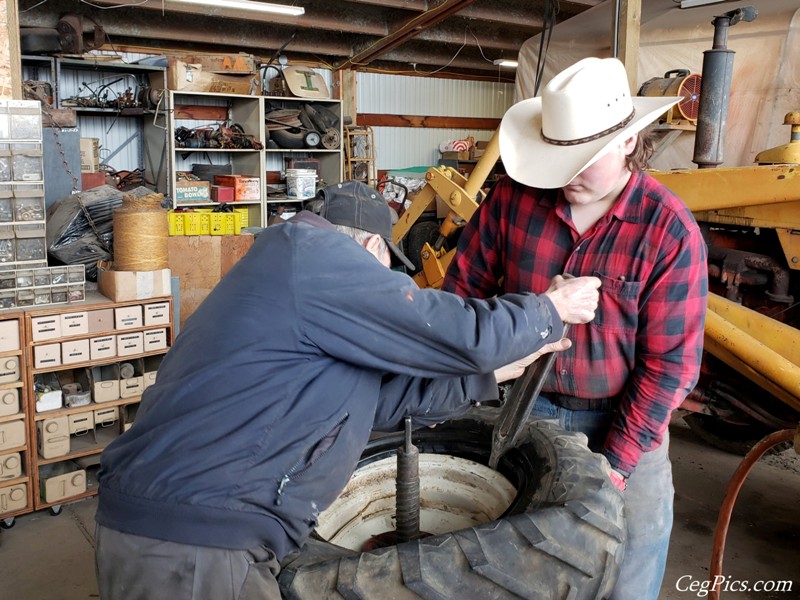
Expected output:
(505, 62)
(693, 3)
(267, 7)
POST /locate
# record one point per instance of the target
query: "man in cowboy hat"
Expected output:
(576, 201)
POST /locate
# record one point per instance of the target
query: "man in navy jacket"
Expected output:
(266, 400)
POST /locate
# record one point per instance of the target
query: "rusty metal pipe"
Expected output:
(715, 89)
(732, 491)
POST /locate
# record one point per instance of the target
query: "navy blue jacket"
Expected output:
(265, 402)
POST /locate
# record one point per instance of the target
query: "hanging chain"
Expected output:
(60, 147)
(75, 190)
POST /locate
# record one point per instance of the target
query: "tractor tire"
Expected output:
(421, 233)
(734, 438)
(289, 139)
(562, 537)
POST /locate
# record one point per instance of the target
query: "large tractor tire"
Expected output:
(734, 438)
(561, 537)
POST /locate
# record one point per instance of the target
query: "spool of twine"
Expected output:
(140, 234)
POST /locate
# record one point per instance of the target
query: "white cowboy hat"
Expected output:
(583, 112)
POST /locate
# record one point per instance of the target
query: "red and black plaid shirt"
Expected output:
(643, 348)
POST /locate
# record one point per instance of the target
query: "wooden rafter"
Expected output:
(409, 30)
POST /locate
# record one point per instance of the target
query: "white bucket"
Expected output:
(301, 183)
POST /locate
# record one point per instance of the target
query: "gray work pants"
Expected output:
(131, 567)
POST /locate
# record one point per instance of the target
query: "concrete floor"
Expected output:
(51, 558)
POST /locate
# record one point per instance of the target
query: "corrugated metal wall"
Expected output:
(120, 137)
(402, 147)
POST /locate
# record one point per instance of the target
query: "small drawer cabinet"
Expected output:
(16, 491)
(89, 366)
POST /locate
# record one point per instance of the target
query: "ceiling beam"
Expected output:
(408, 31)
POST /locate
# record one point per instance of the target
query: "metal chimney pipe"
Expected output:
(715, 90)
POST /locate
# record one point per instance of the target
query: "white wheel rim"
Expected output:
(455, 493)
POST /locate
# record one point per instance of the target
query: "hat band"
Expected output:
(591, 138)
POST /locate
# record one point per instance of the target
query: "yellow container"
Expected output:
(175, 223)
(237, 223)
(192, 223)
(244, 216)
(205, 223)
(218, 223)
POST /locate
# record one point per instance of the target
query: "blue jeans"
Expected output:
(648, 503)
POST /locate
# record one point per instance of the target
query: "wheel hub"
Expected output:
(455, 493)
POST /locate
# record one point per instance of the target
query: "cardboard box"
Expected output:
(14, 497)
(227, 64)
(190, 77)
(9, 369)
(10, 466)
(104, 382)
(478, 150)
(192, 191)
(53, 437)
(74, 351)
(129, 344)
(63, 486)
(47, 355)
(76, 323)
(90, 155)
(121, 286)
(12, 434)
(156, 314)
(128, 317)
(101, 320)
(451, 155)
(9, 402)
(103, 347)
(81, 423)
(106, 417)
(9, 335)
(244, 186)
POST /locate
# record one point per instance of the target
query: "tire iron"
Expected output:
(517, 407)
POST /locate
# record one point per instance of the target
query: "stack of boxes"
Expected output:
(91, 176)
(22, 205)
(206, 221)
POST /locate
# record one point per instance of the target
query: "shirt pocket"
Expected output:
(618, 308)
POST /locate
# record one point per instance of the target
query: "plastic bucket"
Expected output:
(301, 183)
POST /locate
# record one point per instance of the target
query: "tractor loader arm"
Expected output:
(461, 195)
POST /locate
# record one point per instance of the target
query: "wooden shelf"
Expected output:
(200, 109)
(16, 416)
(93, 442)
(10, 482)
(85, 445)
(60, 412)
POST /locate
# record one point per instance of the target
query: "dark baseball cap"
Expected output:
(354, 204)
